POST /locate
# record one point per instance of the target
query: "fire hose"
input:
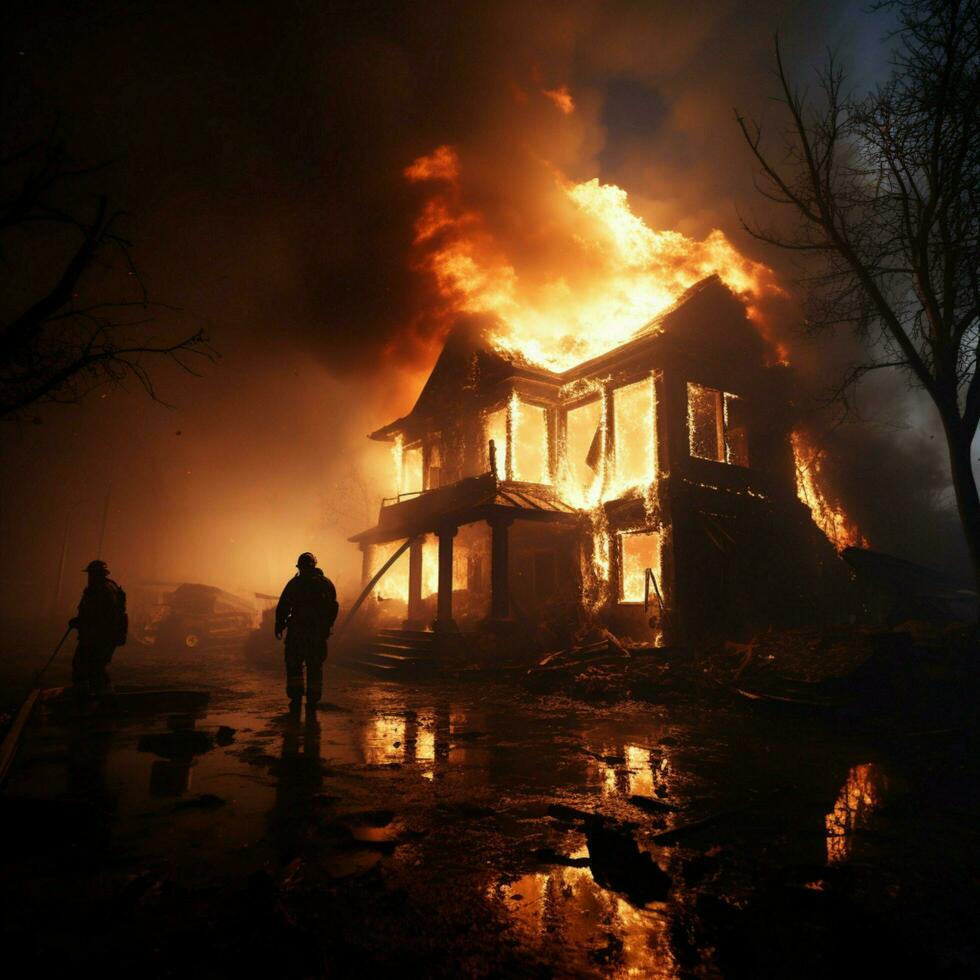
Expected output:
(9, 747)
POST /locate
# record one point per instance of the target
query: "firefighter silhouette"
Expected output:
(306, 613)
(102, 624)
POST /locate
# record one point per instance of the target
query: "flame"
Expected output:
(398, 456)
(831, 518)
(634, 271)
(441, 164)
(562, 99)
(615, 275)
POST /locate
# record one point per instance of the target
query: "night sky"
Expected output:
(259, 150)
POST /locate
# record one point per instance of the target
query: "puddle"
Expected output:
(565, 909)
(860, 796)
(462, 794)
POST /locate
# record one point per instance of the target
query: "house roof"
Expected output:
(466, 360)
(469, 362)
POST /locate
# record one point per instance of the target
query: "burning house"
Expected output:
(651, 488)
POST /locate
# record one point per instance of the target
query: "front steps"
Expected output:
(397, 653)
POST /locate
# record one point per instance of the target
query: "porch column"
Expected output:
(500, 567)
(365, 563)
(444, 616)
(415, 608)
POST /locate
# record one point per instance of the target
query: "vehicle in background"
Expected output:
(198, 615)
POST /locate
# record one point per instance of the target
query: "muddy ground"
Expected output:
(450, 828)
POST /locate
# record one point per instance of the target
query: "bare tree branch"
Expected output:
(885, 192)
(75, 337)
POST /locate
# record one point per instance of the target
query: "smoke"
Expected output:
(260, 152)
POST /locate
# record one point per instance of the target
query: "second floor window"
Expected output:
(409, 468)
(520, 436)
(584, 447)
(496, 432)
(634, 433)
(716, 425)
(529, 450)
(435, 465)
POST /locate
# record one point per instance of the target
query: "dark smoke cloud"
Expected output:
(259, 149)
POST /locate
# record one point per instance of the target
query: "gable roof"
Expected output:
(469, 361)
(466, 358)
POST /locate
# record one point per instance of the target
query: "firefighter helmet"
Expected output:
(306, 560)
(97, 567)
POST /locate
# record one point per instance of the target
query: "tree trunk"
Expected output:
(967, 499)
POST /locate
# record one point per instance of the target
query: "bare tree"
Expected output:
(885, 194)
(74, 310)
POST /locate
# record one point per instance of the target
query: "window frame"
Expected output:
(619, 539)
(725, 450)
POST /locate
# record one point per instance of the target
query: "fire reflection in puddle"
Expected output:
(639, 767)
(636, 771)
(860, 796)
(384, 740)
(565, 907)
(400, 738)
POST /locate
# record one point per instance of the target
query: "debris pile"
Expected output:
(595, 667)
(600, 666)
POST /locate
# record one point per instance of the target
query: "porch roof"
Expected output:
(474, 499)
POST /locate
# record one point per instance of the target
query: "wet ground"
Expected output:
(449, 828)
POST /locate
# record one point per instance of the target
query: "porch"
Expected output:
(482, 554)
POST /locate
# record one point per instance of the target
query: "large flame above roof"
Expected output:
(624, 272)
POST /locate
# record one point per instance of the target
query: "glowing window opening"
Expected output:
(638, 551)
(496, 430)
(435, 470)
(716, 425)
(409, 472)
(584, 447)
(520, 436)
(529, 442)
(634, 431)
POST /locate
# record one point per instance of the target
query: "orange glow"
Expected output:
(430, 565)
(394, 583)
(633, 424)
(640, 550)
(408, 466)
(496, 430)
(530, 445)
(859, 797)
(441, 164)
(584, 451)
(831, 518)
(566, 905)
(603, 277)
(411, 470)
(634, 272)
(562, 98)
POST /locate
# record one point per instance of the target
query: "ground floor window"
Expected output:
(639, 555)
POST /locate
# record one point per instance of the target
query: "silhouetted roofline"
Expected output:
(464, 335)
